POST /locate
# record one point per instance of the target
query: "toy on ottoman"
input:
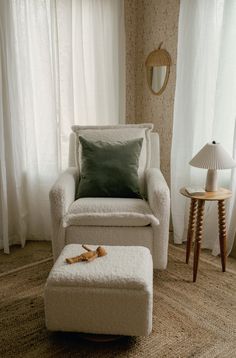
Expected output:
(110, 295)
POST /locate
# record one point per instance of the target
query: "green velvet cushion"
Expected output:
(109, 169)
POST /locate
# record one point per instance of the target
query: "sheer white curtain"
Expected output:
(90, 62)
(205, 105)
(61, 63)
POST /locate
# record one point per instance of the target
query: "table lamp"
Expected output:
(212, 157)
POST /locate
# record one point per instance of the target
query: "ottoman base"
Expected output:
(98, 310)
(112, 295)
(99, 338)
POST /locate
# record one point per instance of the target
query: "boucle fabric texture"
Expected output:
(110, 212)
(61, 197)
(110, 295)
(118, 133)
(189, 320)
(155, 237)
(111, 235)
(159, 201)
(122, 267)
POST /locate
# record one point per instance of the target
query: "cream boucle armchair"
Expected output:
(113, 221)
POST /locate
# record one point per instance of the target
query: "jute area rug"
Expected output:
(189, 320)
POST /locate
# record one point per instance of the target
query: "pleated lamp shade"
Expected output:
(213, 156)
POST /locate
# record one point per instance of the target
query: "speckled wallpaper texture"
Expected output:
(149, 22)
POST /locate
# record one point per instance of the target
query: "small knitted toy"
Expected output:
(88, 256)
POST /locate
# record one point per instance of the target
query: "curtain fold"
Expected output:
(231, 214)
(205, 105)
(13, 203)
(61, 63)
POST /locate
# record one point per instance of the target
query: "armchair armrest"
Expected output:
(61, 197)
(157, 190)
(62, 193)
(159, 201)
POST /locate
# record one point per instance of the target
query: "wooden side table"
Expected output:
(195, 226)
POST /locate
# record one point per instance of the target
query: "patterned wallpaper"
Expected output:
(149, 22)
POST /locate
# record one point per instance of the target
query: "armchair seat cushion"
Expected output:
(110, 212)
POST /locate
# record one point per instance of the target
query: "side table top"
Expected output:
(221, 194)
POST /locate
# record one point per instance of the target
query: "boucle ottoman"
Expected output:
(110, 295)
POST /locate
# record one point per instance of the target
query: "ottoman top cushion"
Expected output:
(128, 267)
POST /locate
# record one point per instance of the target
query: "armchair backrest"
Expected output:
(155, 151)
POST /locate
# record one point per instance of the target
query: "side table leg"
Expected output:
(198, 239)
(222, 232)
(191, 227)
